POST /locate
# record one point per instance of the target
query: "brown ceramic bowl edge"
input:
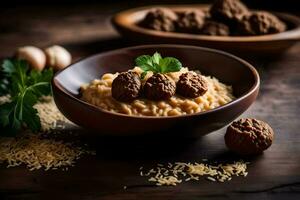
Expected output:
(89, 106)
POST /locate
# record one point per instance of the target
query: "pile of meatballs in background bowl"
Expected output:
(224, 18)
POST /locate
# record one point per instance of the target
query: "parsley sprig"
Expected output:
(25, 87)
(157, 64)
(6, 71)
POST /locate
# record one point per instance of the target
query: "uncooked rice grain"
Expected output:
(34, 150)
(173, 174)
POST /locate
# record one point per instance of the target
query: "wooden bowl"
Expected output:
(125, 22)
(227, 68)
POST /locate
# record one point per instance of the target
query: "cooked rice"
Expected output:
(98, 93)
(172, 174)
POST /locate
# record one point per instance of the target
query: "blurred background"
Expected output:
(84, 24)
(290, 5)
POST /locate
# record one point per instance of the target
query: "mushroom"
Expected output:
(33, 55)
(57, 57)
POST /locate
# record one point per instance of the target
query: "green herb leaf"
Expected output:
(40, 82)
(30, 115)
(4, 85)
(144, 62)
(8, 66)
(5, 111)
(157, 64)
(25, 90)
(156, 58)
(6, 70)
(169, 64)
(8, 119)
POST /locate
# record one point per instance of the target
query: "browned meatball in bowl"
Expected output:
(190, 21)
(228, 11)
(126, 86)
(161, 19)
(260, 23)
(191, 85)
(159, 87)
(215, 28)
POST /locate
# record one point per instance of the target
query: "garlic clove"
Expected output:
(33, 55)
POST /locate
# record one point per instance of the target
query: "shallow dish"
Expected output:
(125, 23)
(227, 68)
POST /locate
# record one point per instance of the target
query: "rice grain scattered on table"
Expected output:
(49, 114)
(172, 174)
(34, 150)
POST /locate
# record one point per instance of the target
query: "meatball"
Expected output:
(249, 136)
(126, 86)
(215, 28)
(228, 11)
(159, 87)
(260, 23)
(244, 27)
(191, 85)
(190, 21)
(161, 19)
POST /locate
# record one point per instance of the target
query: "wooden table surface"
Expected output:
(86, 30)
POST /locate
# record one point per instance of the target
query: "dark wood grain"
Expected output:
(84, 30)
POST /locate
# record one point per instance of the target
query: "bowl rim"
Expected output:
(121, 20)
(254, 87)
